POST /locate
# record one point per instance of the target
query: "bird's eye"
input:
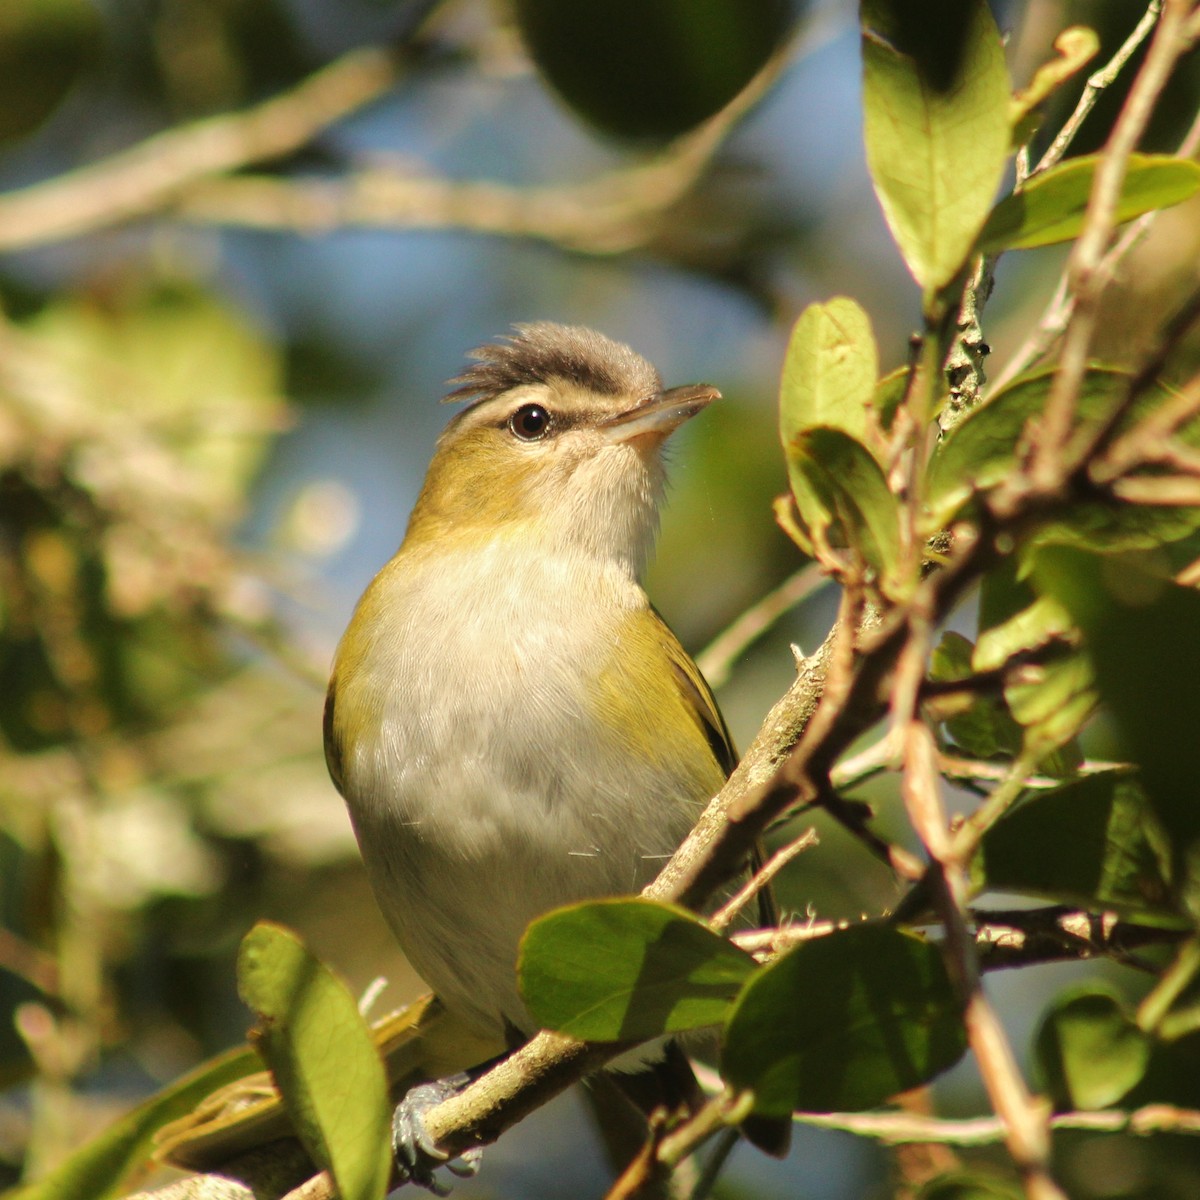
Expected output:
(529, 422)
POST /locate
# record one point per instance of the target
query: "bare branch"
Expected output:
(1097, 82)
(717, 659)
(761, 878)
(148, 176)
(898, 1128)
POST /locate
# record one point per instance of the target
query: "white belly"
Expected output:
(487, 793)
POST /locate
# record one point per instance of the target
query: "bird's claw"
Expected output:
(416, 1155)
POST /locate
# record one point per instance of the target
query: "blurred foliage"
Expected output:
(179, 543)
(645, 68)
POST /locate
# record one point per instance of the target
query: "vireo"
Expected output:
(510, 721)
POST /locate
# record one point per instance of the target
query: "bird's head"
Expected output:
(560, 447)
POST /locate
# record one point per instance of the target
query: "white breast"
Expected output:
(485, 793)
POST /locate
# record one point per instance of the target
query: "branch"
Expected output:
(717, 659)
(1170, 42)
(1058, 312)
(900, 1128)
(186, 172)
(149, 176)
(1020, 938)
(1097, 82)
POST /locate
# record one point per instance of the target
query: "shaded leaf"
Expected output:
(889, 395)
(1052, 699)
(651, 68)
(970, 1185)
(980, 452)
(1050, 208)
(322, 1056)
(101, 1167)
(1089, 1050)
(936, 154)
(979, 723)
(627, 970)
(843, 498)
(843, 1022)
(1093, 842)
(1140, 633)
(45, 48)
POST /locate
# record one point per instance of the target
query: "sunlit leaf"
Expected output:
(979, 453)
(1050, 699)
(323, 1058)
(829, 371)
(1076, 47)
(1051, 206)
(979, 723)
(936, 153)
(627, 969)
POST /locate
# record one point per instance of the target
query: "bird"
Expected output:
(512, 724)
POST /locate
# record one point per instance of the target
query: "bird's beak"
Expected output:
(660, 414)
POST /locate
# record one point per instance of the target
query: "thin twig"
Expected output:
(716, 660)
(878, 757)
(1141, 443)
(144, 178)
(761, 878)
(1057, 313)
(1048, 468)
(667, 1149)
(1024, 1117)
(898, 1128)
(1097, 82)
(967, 837)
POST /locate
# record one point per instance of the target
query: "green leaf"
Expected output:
(843, 1022)
(980, 724)
(1140, 633)
(651, 68)
(626, 970)
(1050, 208)
(1093, 842)
(889, 395)
(45, 49)
(843, 498)
(102, 1165)
(936, 153)
(1089, 1050)
(176, 360)
(322, 1056)
(829, 371)
(980, 452)
(970, 1185)
(1076, 47)
(1052, 699)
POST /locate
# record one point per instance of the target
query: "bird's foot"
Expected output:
(417, 1157)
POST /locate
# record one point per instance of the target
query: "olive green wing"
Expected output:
(697, 697)
(699, 700)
